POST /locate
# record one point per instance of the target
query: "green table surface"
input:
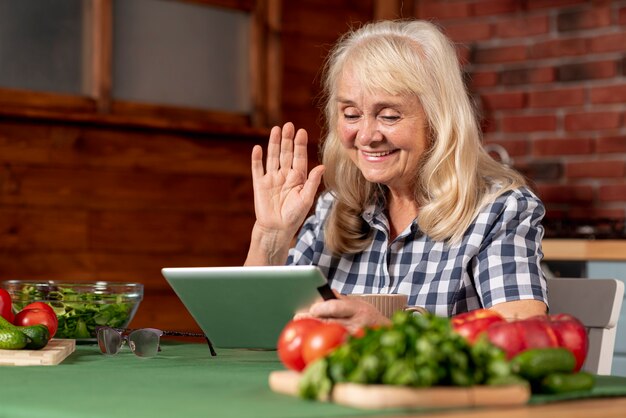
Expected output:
(184, 380)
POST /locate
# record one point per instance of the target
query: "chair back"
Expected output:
(596, 303)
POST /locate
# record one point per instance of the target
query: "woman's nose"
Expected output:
(368, 132)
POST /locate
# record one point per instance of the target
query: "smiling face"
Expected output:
(382, 133)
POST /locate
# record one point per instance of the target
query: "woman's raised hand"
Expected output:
(284, 191)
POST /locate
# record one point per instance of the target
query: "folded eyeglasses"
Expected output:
(143, 342)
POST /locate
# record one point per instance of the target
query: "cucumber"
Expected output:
(37, 335)
(567, 382)
(12, 339)
(536, 363)
(5, 324)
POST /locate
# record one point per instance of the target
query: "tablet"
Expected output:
(245, 307)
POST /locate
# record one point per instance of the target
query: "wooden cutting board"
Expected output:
(385, 396)
(53, 353)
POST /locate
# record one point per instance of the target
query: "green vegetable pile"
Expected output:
(551, 370)
(79, 313)
(415, 351)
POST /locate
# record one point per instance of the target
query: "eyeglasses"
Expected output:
(143, 342)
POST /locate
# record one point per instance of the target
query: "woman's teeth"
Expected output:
(377, 154)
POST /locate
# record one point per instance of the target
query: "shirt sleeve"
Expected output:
(508, 265)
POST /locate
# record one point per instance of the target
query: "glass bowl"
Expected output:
(80, 306)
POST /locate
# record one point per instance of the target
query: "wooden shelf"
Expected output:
(580, 249)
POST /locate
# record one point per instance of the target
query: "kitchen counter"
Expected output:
(584, 249)
(184, 380)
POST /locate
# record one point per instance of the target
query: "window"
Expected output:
(184, 64)
(181, 54)
(41, 45)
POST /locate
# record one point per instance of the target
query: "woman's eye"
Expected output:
(350, 116)
(390, 118)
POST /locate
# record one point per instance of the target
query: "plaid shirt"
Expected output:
(498, 259)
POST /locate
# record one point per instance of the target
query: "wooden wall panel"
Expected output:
(63, 145)
(309, 30)
(123, 189)
(80, 202)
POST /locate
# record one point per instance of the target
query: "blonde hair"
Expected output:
(456, 177)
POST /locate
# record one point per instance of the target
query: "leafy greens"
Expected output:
(79, 313)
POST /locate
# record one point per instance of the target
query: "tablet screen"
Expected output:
(246, 307)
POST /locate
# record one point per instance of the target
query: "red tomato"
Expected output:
(508, 337)
(538, 332)
(6, 310)
(40, 305)
(290, 342)
(321, 340)
(27, 317)
(571, 334)
(472, 324)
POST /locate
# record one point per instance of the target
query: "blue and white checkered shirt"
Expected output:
(498, 259)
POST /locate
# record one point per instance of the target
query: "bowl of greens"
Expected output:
(80, 306)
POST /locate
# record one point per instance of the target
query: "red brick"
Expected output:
(587, 71)
(612, 192)
(510, 100)
(563, 193)
(463, 54)
(596, 169)
(622, 16)
(584, 19)
(556, 98)
(553, 213)
(511, 53)
(586, 213)
(608, 43)
(483, 79)
(528, 123)
(488, 124)
(528, 76)
(523, 26)
(466, 32)
(611, 144)
(515, 148)
(592, 121)
(493, 7)
(543, 4)
(559, 48)
(541, 170)
(562, 146)
(608, 94)
(435, 9)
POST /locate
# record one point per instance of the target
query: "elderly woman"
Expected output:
(413, 203)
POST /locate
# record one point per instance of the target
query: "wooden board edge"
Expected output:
(285, 382)
(52, 354)
(508, 395)
(385, 396)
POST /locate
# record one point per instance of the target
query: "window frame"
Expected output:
(97, 105)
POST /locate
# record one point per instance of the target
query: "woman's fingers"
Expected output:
(287, 150)
(334, 308)
(257, 162)
(300, 154)
(273, 149)
(312, 183)
(286, 147)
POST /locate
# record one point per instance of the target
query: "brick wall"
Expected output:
(549, 77)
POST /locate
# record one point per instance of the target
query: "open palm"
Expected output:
(284, 191)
